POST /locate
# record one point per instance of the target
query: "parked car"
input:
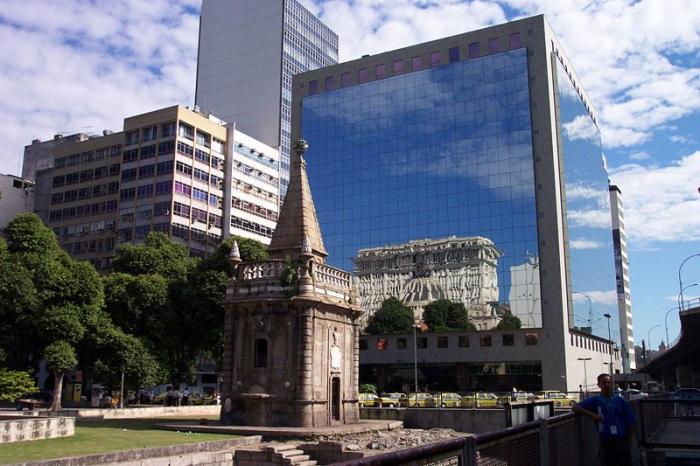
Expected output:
(480, 400)
(368, 399)
(33, 400)
(420, 400)
(559, 398)
(392, 400)
(447, 400)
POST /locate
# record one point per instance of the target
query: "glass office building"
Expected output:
(487, 134)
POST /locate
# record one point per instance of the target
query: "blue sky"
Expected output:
(82, 65)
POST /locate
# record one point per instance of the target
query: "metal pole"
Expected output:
(668, 342)
(585, 373)
(121, 391)
(680, 280)
(681, 301)
(610, 349)
(649, 335)
(590, 307)
(415, 360)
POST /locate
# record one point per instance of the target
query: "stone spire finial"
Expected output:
(297, 224)
(235, 255)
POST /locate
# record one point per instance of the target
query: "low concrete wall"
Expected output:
(216, 453)
(474, 421)
(141, 413)
(23, 428)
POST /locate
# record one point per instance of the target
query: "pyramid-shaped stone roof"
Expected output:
(297, 224)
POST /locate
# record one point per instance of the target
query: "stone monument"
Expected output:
(291, 336)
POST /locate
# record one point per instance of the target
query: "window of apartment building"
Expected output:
(416, 62)
(181, 167)
(217, 145)
(215, 220)
(380, 70)
(345, 79)
(185, 149)
(329, 83)
(201, 156)
(113, 187)
(203, 139)
(126, 214)
(313, 87)
(148, 152)
(164, 168)
(531, 339)
(485, 340)
(71, 195)
(84, 193)
(54, 215)
(363, 344)
(59, 181)
(201, 175)
(453, 54)
(145, 191)
(147, 171)
(398, 66)
(180, 231)
(144, 212)
(217, 163)
(508, 339)
(164, 187)
(363, 75)
(216, 181)
(86, 175)
(515, 40)
(114, 169)
(129, 174)
(434, 58)
(443, 341)
(260, 353)
(183, 188)
(167, 129)
(132, 137)
(215, 200)
(382, 344)
(401, 343)
(167, 147)
(99, 190)
(185, 131)
(72, 178)
(199, 215)
(422, 342)
(181, 210)
(494, 45)
(127, 194)
(56, 198)
(161, 208)
(149, 133)
(463, 341)
(199, 194)
(115, 150)
(474, 50)
(141, 231)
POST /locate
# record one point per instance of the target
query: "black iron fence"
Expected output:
(554, 441)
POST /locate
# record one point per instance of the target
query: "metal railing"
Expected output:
(661, 418)
(552, 441)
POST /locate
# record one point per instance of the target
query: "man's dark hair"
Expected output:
(604, 374)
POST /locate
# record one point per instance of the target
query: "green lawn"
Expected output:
(104, 436)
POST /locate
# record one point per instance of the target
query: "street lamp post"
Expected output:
(649, 335)
(680, 280)
(585, 375)
(680, 299)
(610, 350)
(415, 359)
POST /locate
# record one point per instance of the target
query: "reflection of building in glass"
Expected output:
(523, 299)
(472, 136)
(419, 272)
(622, 277)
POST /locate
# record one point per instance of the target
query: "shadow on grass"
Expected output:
(140, 424)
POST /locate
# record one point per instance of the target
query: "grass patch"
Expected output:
(104, 436)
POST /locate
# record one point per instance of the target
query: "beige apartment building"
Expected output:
(176, 170)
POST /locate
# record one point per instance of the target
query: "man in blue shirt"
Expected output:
(616, 423)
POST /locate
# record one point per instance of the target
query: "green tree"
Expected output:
(391, 318)
(368, 388)
(444, 315)
(60, 358)
(14, 384)
(157, 255)
(509, 322)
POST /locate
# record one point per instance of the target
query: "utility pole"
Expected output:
(610, 348)
(585, 374)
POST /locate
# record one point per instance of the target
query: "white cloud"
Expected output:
(641, 155)
(583, 243)
(581, 128)
(660, 201)
(607, 298)
(591, 218)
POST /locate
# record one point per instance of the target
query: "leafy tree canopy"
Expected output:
(157, 255)
(444, 315)
(14, 384)
(509, 322)
(391, 318)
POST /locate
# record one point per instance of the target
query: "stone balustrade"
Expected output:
(336, 278)
(261, 270)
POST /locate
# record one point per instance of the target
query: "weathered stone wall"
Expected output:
(473, 421)
(140, 413)
(18, 429)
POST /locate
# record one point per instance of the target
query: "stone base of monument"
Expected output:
(274, 433)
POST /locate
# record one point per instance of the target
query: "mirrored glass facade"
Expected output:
(590, 261)
(435, 153)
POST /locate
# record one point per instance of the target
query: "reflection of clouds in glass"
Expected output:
(581, 128)
(581, 191)
(583, 243)
(590, 218)
(608, 298)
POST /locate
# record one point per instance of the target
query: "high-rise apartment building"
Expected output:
(39, 154)
(486, 134)
(16, 195)
(248, 52)
(622, 277)
(175, 170)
